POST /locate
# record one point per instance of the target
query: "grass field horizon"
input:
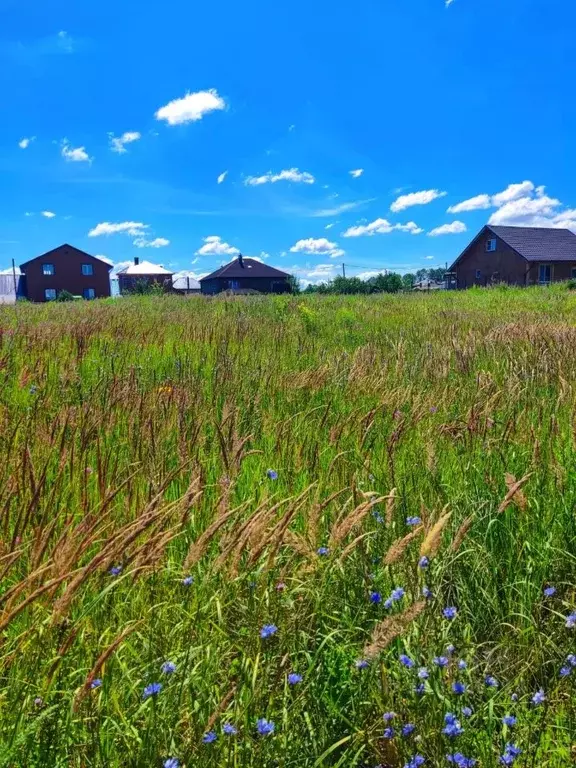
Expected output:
(289, 531)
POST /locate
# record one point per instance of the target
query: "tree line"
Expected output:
(389, 282)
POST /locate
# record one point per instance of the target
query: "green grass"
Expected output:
(129, 427)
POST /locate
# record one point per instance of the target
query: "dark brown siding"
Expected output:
(561, 270)
(503, 265)
(261, 284)
(67, 276)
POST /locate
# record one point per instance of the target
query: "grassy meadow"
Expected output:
(239, 532)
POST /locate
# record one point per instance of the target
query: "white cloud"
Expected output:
(28, 213)
(531, 212)
(449, 3)
(215, 246)
(291, 174)
(512, 192)
(48, 214)
(118, 143)
(429, 257)
(189, 273)
(316, 273)
(121, 265)
(381, 227)
(369, 274)
(25, 142)
(158, 242)
(75, 154)
(191, 107)
(416, 198)
(134, 228)
(329, 226)
(103, 258)
(358, 172)
(342, 208)
(65, 42)
(222, 176)
(455, 228)
(319, 247)
(473, 204)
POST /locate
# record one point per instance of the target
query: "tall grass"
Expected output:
(178, 474)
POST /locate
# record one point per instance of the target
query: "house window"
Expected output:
(50, 294)
(233, 285)
(491, 245)
(47, 269)
(544, 274)
(89, 293)
(573, 273)
(87, 270)
(478, 274)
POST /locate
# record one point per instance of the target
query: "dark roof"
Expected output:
(77, 251)
(249, 268)
(539, 243)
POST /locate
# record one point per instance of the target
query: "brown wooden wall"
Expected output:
(261, 284)
(67, 276)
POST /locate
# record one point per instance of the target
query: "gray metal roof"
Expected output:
(248, 268)
(539, 243)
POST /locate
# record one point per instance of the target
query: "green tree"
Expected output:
(408, 281)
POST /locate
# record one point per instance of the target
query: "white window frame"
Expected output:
(51, 270)
(550, 267)
(52, 292)
(491, 245)
(90, 269)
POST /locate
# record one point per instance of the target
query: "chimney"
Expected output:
(240, 260)
(136, 261)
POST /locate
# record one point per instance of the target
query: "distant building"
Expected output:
(245, 275)
(518, 256)
(185, 284)
(65, 269)
(11, 285)
(143, 273)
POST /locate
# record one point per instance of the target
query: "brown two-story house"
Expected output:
(65, 269)
(518, 256)
(245, 275)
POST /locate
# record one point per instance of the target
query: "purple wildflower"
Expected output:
(467, 712)
(388, 603)
(268, 630)
(452, 727)
(271, 474)
(168, 668)
(415, 762)
(388, 716)
(571, 620)
(423, 562)
(420, 689)
(229, 729)
(375, 597)
(565, 671)
(388, 732)
(462, 762)
(450, 649)
(265, 727)
(171, 762)
(450, 612)
(406, 661)
(491, 682)
(116, 570)
(462, 664)
(361, 664)
(397, 593)
(96, 683)
(549, 591)
(294, 678)
(509, 720)
(571, 660)
(322, 551)
(539, 698)
(408, 729)
(423, 673)
(152, 690)
(441, 661)
(187, 581)
(427, 593)
(458, 688)
(209, 737)
(413, 520)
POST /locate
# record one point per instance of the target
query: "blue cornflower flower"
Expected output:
(209, 737)
(397, 593)
(458, 688)
(511, 752)
(408, 729)
(268, 630)
(427, 593)
(168, 668)
(152, 690)
(294, 678)
(414, 520)
(450, 612)
(565, 671)
(265, 727)
(450, 649)
(467, 712)
(171, 762)
(571, 620)
(388, 603)
(539, 697)
(96, 683)
(116, 570)
(509, 720)
(452, 727)
(423, 562)
(420, 689)
(462, 664)
(423, 673)
(571, 660)
(229, 729)
(375, 597)
(441, 661)
(491, 682)
(389, 732)
(388, 716)
(549, 591)
(271, 474)
(322, 551)
(362, 664)
(462, 762)
(433, 409)
(406, 661)
(415, 762)
(377, 515)
(514, 697)
(187, 581)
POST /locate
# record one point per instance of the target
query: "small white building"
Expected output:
(146, 273)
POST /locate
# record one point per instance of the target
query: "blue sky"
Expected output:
(184, 132)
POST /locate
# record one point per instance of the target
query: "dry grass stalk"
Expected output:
(398, 547)
(390, 628)
(433, 539)
(7, 617)
(252, 528)
(347, 525)
(350, 547)
(299, 544)
(277, 535)
(102, 659)
(315, 515)
(199, 547)
(221, 707)
(461, 534)
(515, 494)
(390, 505)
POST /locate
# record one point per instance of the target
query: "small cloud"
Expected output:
(190, 108)
(339, 209)
(381, 227)
(318, 246)
(473, 204)
(291, 174)
(455, 228)
(25, 143)
(358, 172)
(47, 214)
(215, 246)
(222, 176)
(513, 192)
(291, 127)
(118, 143)
(449, 3)
(65, 42)
(158, 242)
(416, 198)
(28, 213)
(75, 154)
(429, 257)
(329, 226)
(133, 228)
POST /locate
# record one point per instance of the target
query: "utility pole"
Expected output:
(343, 270)
(15, 283)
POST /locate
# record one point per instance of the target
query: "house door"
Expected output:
(544, 274)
